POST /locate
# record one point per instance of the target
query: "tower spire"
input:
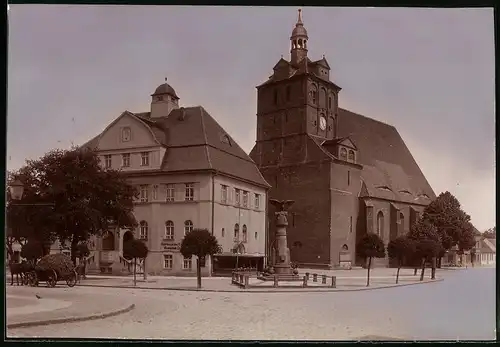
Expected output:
(298, 41)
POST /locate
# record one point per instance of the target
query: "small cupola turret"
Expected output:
(163, 101)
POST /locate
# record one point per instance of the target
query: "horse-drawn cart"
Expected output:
(51, 277)
(53, 268)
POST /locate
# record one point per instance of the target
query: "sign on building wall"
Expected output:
(171, 246)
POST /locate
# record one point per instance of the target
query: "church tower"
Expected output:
(297, 102)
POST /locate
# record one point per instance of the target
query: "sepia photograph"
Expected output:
(245, 173)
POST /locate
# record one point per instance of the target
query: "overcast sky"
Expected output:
(429, 72)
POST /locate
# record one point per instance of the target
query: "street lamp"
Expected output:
(16, 190)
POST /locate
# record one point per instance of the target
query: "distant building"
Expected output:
(189, 173)
(348, 174)
(485, 252)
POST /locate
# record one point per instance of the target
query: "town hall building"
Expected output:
(189, 173)
(348, 174)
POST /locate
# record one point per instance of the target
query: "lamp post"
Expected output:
(16, 190)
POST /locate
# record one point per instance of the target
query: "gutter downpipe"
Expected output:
(266, 256)
(213, 220)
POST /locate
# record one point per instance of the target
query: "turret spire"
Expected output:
(298, 41)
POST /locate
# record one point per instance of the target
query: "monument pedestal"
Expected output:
(281, 267)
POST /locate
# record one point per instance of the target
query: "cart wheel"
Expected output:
(71, 281)
(52, 279)
(33, 279)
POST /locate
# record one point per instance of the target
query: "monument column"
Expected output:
(282, 265)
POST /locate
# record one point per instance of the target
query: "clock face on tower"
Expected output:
(322, 123)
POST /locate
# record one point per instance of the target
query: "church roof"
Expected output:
(389, 169)
(195, 141)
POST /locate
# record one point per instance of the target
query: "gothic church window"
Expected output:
(288, 93)
(322, 98)
(380, 224)
(275, 96)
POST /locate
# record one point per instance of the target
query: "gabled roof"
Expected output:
(305, 67)
(386, 160)
(281, 63)
(345, 141)
(322, 62)
(488, 246)
(195, 141)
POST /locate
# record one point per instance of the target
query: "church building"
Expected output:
(348, 174)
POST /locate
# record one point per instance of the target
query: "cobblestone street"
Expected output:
(389, 313)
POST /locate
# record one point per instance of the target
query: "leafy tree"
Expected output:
(427, 250)
(135, 249)
(370, 246)
(88, 200)
(451, 222)
(199, 242)
(422, 230)
(400, 249)
(490, 233)
(32, 251)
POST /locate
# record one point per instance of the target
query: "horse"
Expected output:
(80, 271)
(19, 270)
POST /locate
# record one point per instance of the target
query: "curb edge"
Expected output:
(265, 291)
(70, 319)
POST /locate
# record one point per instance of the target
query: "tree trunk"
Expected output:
(135, 265)
(433, 270)
(74, 249)
(369, 266)
(198, 272)
(415, 271)
(144, 273)
(84, 268)
(423, 270)
(397, 273)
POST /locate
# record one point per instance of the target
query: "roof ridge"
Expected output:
(205, 136)
(372, 119)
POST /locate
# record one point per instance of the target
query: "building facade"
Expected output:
(348, 174)
(189, 173)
